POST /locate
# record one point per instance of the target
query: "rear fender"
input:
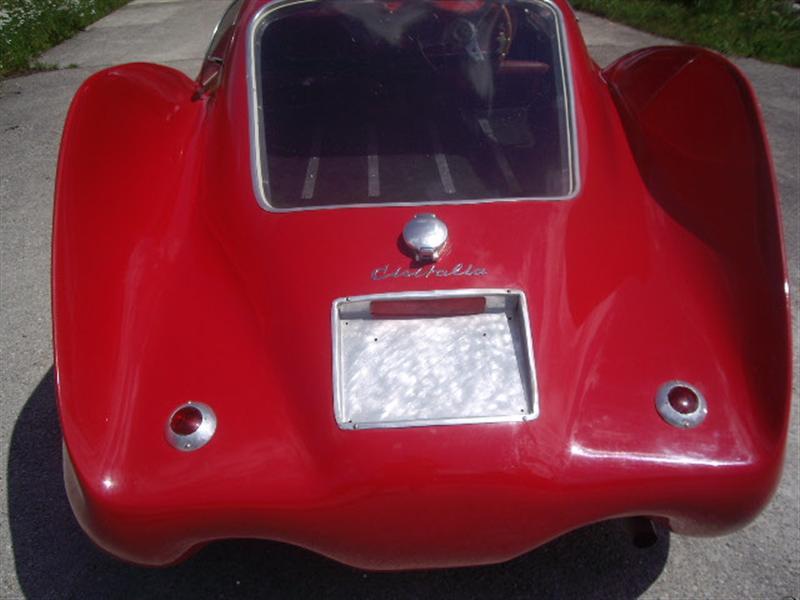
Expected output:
(124, 183)
(697, 136)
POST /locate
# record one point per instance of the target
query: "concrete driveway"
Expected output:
(43, 553)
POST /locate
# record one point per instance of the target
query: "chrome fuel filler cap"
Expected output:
(426, 236)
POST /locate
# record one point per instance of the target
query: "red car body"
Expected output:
(171, 283)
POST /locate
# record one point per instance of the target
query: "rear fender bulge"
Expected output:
(696, 133)
(124, 179)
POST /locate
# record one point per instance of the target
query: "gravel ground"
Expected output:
(43, 553)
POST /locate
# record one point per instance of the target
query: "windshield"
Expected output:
(411, 102)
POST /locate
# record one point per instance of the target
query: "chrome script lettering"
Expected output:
(386, 272)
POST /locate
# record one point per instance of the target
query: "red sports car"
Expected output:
(414, 283)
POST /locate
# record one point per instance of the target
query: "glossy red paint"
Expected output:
(171, 284)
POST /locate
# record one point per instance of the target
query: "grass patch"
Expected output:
(29, 27)
(765, 29)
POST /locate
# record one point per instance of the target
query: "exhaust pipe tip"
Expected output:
(643, 532)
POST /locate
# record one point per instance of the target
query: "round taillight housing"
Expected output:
(681, 404)
(186, 420)
(191, 426)
(683, 399)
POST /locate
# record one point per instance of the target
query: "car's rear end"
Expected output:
(570, 347)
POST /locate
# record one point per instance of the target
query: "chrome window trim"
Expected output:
(338, 396)
(258, 166)
(210, 47)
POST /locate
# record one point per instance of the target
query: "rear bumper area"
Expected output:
(419, 515)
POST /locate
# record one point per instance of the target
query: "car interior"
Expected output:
(381, 102)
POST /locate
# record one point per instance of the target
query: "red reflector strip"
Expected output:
(434, 307)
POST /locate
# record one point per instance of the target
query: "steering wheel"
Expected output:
(485, 34)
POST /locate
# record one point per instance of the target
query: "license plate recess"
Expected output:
(433, 358)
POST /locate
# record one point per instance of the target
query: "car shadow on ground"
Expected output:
(54, 559)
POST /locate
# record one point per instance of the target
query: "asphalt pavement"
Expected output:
(44, 554)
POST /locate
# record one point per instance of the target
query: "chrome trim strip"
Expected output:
(260, 178)
(338, 392)
(565, 59)
(210, 45)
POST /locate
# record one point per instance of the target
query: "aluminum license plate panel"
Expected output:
(413, 371)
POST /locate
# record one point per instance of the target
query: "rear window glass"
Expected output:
(411, 103)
